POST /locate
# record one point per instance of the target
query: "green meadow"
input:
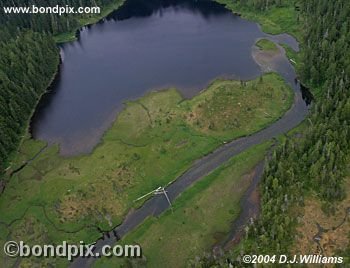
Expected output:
(202, 216)
(152, 141)
(266, 45)
(275, 20)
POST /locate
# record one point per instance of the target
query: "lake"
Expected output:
(143, 46)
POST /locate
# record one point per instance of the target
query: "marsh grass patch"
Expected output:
(152, 141)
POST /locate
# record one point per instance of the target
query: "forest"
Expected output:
(29, 60)
(313, 161)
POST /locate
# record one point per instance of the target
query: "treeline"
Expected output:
(28, 61)
(315, 161)
(326, 65)
(47, 23)
(263, 4)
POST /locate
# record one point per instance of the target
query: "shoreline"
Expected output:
(156, 91)
(26, 129)
(247, 14)
(98, 137)
(155, 206)
(101, 140)
(73, 35)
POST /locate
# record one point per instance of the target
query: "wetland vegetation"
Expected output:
(48, 198)
(177, 237)
(59, 198)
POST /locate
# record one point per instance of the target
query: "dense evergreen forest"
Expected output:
(313, 162)
(28, 62)
(261, 5)
(316, 162)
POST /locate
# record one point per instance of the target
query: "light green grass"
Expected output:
(275, 20)
(227, 114)
(293, 56)
(266, 45)
(153, 140)
(202, 216)
(27, 150)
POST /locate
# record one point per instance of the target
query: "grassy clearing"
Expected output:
(274, 21)
(71, 36)
(27, 150)
(293, 57)
(334, 239)
(227, 114)
(202, 216)
(153, 140)
(267, 45)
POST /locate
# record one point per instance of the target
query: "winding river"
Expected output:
(148, 45)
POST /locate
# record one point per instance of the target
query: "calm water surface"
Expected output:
(146, 45)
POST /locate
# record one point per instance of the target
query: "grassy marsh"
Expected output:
(267, 45)
(152, 141)
(275, 20)
(202, 216)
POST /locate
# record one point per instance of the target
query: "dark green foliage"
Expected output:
(326, 43)
(27, 63)
(315, 160)
(263, 4)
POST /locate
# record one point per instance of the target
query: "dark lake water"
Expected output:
(145, 45)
